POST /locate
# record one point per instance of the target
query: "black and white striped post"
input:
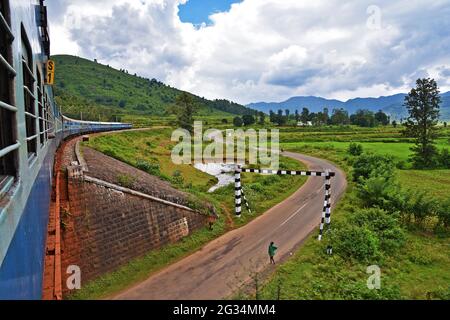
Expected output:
(326, 212)
(238, 191)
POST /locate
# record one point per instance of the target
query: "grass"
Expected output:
(263, 192)
(433, 182)
(419, 271)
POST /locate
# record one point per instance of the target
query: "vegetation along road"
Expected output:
(223, 265)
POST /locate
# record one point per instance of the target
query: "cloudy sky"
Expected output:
(263, 50)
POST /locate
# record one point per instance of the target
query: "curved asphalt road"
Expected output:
(221, 266)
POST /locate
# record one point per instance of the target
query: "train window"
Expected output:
(41, 110)
(8, 143)
(29, 96)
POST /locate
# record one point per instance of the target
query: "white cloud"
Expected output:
(264, 49)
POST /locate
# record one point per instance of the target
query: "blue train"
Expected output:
(31, 129)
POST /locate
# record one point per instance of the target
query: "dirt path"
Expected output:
(220, 267)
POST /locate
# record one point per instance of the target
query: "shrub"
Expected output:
(125, 180)
(356, 242)
(256, 187)
(355, 149)
(237, 122)
(444, 159)
(177, 178)
(373, 165)
(151, 168)
(401, 165)
(380, 192)
(421, 208)
(384, 224)
(443, 214)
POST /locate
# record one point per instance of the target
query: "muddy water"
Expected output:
(223, 172)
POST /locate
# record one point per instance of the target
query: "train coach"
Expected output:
(31, 129)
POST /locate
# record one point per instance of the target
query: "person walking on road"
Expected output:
(272, 251)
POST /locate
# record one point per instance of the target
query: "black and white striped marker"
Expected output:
(326, 212)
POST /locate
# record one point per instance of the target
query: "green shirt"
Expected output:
(272, 250)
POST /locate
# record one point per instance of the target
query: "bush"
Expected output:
(443, 214)
(381, 193)
(444, 159)
(125, 180)
(257, 187)
(355, 149)
(237, 122)
(421, 208)
(384, 224)
(356, 242)
(151, 168)
(373, 165)
(177, 178)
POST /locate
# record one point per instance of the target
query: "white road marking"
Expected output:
(294, 214)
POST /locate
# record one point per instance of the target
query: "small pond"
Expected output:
(223, 172)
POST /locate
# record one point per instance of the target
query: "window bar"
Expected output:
(8, 107)
(7, 66)
(30, 115)
(9, 149)
(27, 68)
(27, 90)
(28, 139)
(5, 26)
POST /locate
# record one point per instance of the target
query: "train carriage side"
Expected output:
(31, 129)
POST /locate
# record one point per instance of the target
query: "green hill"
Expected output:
(100, 92)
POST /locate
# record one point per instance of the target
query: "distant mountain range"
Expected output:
(392, 105)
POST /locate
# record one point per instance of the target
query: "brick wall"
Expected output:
(104, 228)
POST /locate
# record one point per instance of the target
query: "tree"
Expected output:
(355, 149)
(248, 120)
(297, 116)
(382, 118)
(237, 122)
(363, 118)
(423, 108)
(304, 117)
(280, 119)
(340, 117)
(287, 113)
(272, 116)
(394, 124)
(262, 118)
(184, 110)
(326, 116)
